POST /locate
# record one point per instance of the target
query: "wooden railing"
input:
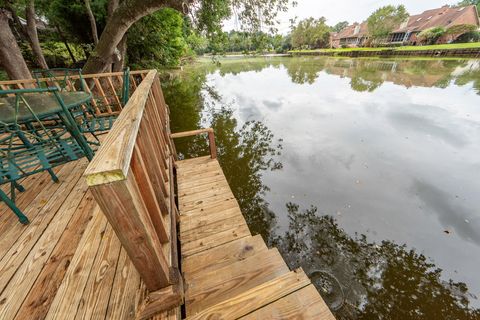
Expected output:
(105, 88)
(131, 178)
(211, 138)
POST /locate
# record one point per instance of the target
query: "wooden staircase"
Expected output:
(228, 273)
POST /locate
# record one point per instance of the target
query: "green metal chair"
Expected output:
(28, 144)
(89, 121)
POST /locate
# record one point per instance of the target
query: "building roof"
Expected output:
(356, 30)
(441, 17)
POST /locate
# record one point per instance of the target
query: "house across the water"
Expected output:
(356, 35)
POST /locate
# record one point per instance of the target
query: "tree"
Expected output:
(431, 35)
(469, 3)
(207, 14)
(33, 35)
(160, 40)
(384, 20)
(93, 23)
(340, 26)
(10, 55)
(311, 33)
(28, 32)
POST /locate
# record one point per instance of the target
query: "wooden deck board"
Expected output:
(303, 304)
(66, 263)
(228, 273)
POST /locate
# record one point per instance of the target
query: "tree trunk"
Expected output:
(93, 24)
(33, 35)
(112, 6)
(64, 39)
(119, 63)
(122, 19)
(11, 57)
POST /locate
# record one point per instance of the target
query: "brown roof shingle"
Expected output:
(445, 17)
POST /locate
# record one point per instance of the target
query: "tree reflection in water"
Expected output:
(379, 281)
(375, 281)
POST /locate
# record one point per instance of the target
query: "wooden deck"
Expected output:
(68, 263)
(230, 274)
(102, 243)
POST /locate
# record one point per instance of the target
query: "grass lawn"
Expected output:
(406, 48)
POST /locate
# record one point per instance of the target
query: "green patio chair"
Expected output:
(28, 143)
(89, 122)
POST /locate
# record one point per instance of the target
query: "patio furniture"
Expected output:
(37, 133)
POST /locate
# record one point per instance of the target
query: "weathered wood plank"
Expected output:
(302, 304)
(215, 240)
(210, 208)
(122, 203)
(112, 161)
(70, 293)
(96, 295)
(255, 298)
(222, 255)
(234, 222)
(27, 271)
(126, 285)
(16, 252)
(190, 223)
(221, 284)
(11, 231)
(43, 292)
(159, 301)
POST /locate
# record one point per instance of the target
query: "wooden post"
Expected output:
(127, 181)
(213, 147)
(211, 138)
(121, 203)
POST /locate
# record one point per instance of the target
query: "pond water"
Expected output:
(365, 173)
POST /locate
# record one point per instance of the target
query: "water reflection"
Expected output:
(366, 74)
(382, 170)
(378, 281)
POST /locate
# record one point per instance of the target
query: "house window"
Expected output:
(398, 37)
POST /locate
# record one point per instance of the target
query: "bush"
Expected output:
(431, 35)
(473, 36)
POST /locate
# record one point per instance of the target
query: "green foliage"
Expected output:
(470, 2)
(431, 35)
(340, 26)
(473, 36)
(384, 20)
(157, 40)
(247, 42)
(71, 16)
(311, 33)
(461, 29)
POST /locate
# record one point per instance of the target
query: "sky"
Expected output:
(340, 10)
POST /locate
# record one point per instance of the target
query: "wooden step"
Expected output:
(189, 223)
(305, 303)
(221, 284)
(221, 256)
(206, 202)
(214, 240)
(212, 228)
(192, 162)
(211, 208)
(255, 298)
